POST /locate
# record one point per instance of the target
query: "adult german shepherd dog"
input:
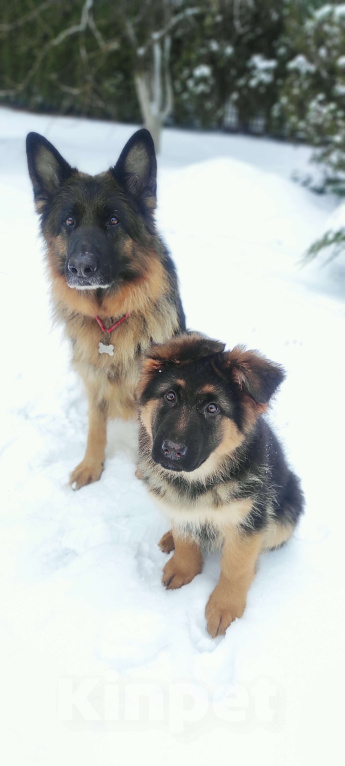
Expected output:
(114, 285)
(214, 465)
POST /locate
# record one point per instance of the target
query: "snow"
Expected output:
(341, 62)
(262, 69)
(203, 70)
(301, 64)
(339, 11)
(99, 662)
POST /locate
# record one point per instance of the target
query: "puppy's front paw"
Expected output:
(85, 473)
(220, 613)
(176, 573)
(166, 543)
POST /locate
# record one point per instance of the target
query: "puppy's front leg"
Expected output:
(184, 565)
(166, 543)
(91, 467)
(228, 600)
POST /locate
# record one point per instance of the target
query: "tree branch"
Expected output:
(25, 19)
(86, 20)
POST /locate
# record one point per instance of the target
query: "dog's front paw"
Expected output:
(85, 473)
(166, 543)
(176, 573)
(220, 613)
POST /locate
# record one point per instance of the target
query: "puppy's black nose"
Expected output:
(82, 264)
(173, 450)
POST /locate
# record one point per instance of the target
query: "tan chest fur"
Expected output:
(114, 378)
(211, 508)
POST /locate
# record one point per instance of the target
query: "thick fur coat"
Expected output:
(113, 284)
(214, 465)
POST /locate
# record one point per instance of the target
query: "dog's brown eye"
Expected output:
(170, 396)
(212, 408)
(113, 221)
(69, 221)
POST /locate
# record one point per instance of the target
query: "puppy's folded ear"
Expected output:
(136, 168)
(253, 373)
(47, 168)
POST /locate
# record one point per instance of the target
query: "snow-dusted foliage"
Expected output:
(331, 242)
(189, 63)
(229, 61)
(262, 70)
(312, 97)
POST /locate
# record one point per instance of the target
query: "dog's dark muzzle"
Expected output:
(89, 263)
(83, 265)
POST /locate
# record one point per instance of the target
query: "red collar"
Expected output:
(113, 327)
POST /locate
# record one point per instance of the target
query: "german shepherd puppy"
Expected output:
(114, 286)
(214, 465)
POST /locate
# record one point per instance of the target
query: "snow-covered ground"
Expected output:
(101, 664)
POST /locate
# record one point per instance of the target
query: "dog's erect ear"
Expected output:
(253, 373)
(47, 169)
(136, 168)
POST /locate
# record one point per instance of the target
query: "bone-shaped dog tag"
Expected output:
(102, 349)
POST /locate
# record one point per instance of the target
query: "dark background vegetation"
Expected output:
(222, 54)
(272, 67)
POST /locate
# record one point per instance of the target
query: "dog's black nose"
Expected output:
(173, 450)
(82, 264)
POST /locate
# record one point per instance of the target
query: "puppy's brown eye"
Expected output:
(69, 221)
(113, 221)
(170, 396)
(212, 408)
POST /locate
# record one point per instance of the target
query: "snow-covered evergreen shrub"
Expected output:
(229, 63)
(313, 96)
(332, 242)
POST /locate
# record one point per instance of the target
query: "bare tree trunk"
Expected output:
(152, 77)
(154, 89)
(155, 127)
(152, 120)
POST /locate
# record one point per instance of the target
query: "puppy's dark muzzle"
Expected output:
(178, 449)
(172, 450)
(174, 456)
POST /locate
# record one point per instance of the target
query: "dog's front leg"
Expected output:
(238, 565)
(184, 565)
(91, 467)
